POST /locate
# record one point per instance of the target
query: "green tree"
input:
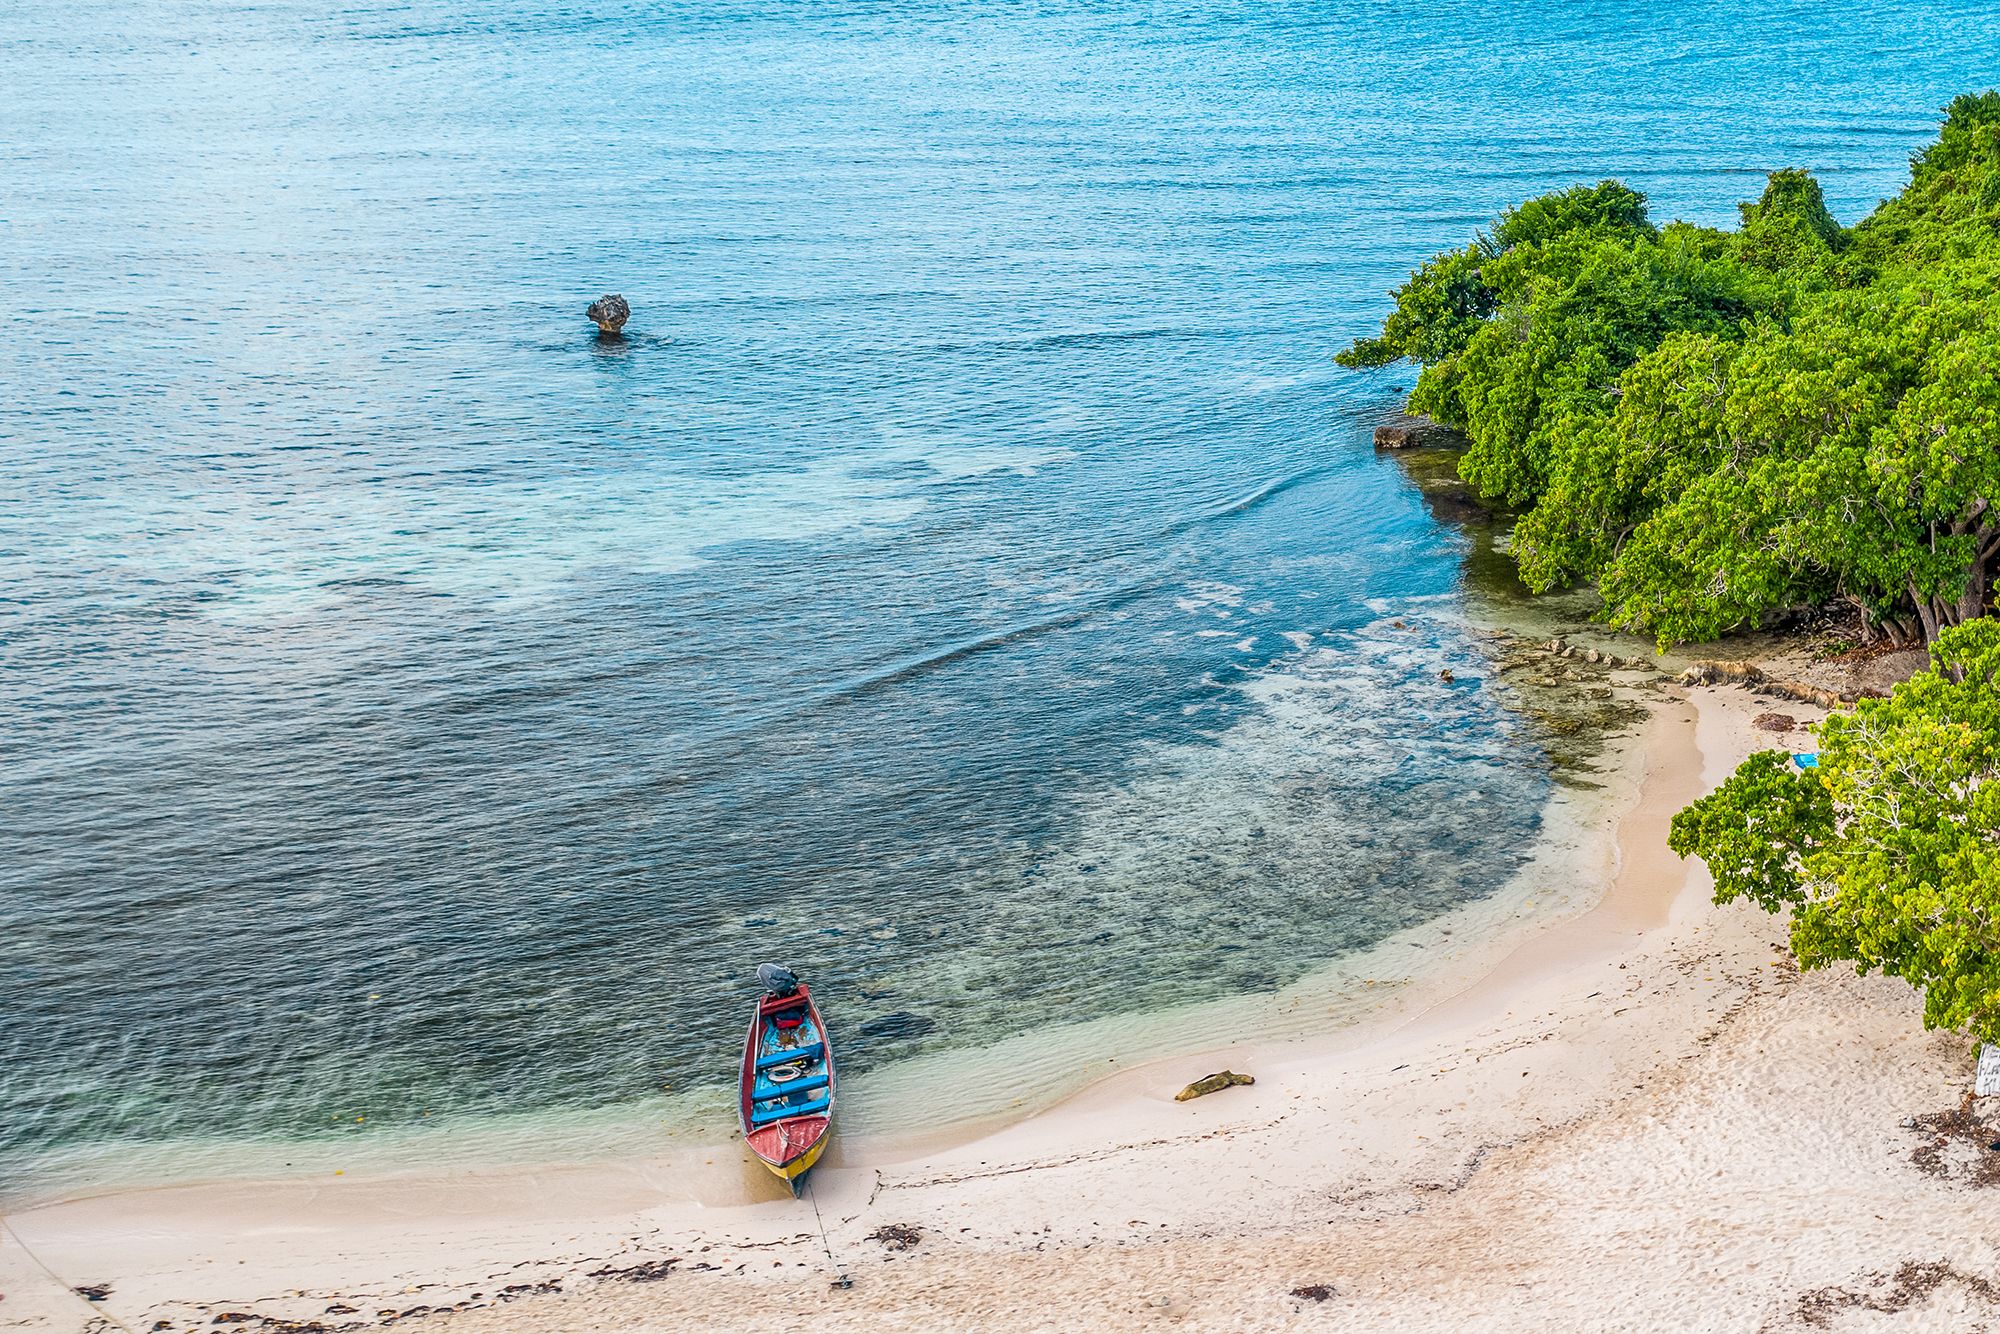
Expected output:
(1717, 425)
(1888, 854)
(1854, 455)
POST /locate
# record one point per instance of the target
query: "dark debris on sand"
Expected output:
(646, 1271)
(1912, 1283)
(897, 1236)
(1957, 1145)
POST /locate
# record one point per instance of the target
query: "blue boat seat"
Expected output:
(812, 1051)
(763, 1116)
(766, 1089)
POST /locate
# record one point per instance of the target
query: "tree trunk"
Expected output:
(1868, 622)
(1972, 602)
(1926, 615)
(1940, 614)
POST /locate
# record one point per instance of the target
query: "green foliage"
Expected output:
(1757, 829)
(1446, 301)
(1789, 229)
(1608, 206)
(1717, 425)
(1436, 313)
(1888, 854)
(1950, 207)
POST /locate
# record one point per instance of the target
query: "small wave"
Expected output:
(929, 662)
(1078, 338)
(954, 652)
(1103, 337)
(1242, 504)
(1263, 493)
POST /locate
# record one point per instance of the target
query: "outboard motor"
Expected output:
(776, 979)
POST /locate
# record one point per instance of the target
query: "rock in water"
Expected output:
(1212, 1084)
(1409, 431)
(609, 312)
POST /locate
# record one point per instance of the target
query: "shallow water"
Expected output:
(968, 580)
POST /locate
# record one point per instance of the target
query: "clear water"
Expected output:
(968, 581)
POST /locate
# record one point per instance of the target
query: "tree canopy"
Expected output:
(1715, 425)
(1888, 853)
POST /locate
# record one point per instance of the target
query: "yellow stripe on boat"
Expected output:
(802, 1164)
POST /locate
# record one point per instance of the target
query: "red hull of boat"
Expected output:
(790, 1145)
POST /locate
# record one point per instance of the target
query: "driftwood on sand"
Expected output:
(1214, 1083)
(1751, 676)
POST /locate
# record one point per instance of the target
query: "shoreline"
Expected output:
(1358, 996)
(1020, 1077)
(1627, 1109)
(1326, 1127)
(1357, 1002)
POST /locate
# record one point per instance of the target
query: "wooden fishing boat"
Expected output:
(787, 1086)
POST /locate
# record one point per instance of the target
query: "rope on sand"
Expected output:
(99, 1318)
(840, 1278)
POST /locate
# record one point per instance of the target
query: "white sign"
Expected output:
(1987, 1083)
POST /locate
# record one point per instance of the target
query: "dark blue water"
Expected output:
(968, 580)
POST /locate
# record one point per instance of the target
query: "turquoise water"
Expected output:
(968, 581)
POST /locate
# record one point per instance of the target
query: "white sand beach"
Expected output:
(1643, 1118)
